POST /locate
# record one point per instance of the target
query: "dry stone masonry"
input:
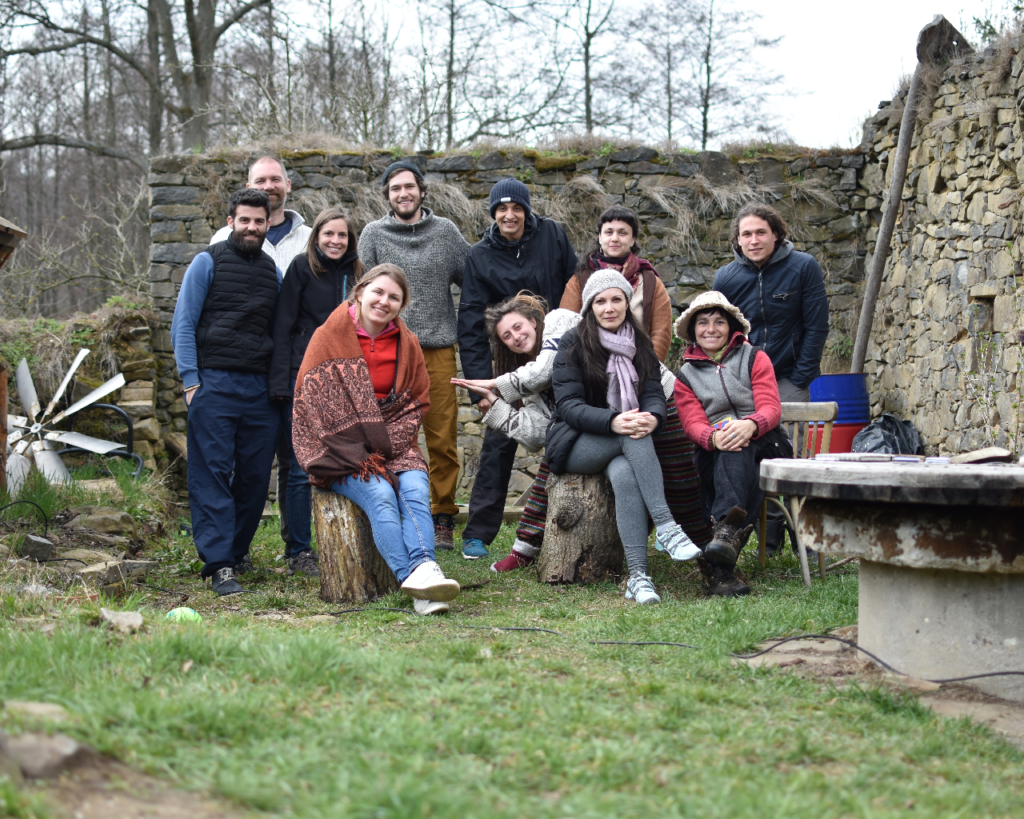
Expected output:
(685, 200)
(946, 346)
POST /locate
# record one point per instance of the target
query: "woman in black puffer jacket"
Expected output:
(315, 283)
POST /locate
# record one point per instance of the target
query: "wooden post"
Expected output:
(581, 542)
(351, 568)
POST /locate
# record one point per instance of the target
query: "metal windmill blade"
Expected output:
(35, 439)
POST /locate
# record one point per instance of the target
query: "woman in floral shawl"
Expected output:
(360, 399)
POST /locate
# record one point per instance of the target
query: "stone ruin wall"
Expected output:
(945, 350)
(685, 202)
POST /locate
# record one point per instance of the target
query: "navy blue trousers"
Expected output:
(232, 433)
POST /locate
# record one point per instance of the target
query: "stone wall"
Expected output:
(685, 201)
(946, 347)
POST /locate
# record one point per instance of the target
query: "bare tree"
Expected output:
(721, 69)
(192, 79)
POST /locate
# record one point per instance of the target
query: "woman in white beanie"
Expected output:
(728, 401)
(609, 399)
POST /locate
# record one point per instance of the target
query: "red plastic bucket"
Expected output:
(842, 436)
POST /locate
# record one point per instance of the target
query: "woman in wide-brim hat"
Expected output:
(728, 402)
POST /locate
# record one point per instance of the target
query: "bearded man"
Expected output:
(432, 252)
(221, 334)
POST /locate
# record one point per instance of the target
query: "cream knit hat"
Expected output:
(703, 302)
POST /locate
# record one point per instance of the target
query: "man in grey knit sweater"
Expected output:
(432, 253)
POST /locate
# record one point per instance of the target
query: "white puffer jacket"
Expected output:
(288, 248)
(531, 384)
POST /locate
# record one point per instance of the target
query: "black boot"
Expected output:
(720, 581)
(224, 582)
(729, 537)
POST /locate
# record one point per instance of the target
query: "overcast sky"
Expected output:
(845, 58)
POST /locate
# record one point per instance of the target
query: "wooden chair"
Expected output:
(795, 418)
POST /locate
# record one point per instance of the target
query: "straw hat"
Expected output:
(703, 302)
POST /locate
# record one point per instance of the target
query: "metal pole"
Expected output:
(892, 209)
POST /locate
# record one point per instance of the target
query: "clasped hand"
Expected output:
(634, 423)
(735, 435)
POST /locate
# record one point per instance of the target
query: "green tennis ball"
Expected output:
(184, 614)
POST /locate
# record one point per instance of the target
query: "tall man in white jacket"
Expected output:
(287, 236)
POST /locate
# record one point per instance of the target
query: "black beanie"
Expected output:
(401, 165)
(510, 190)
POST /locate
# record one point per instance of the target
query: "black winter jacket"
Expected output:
(542, 261)
(787, 308)
(304, 304)
(574, 416)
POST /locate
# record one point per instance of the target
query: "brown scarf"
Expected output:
(631, 267)
(338, 426)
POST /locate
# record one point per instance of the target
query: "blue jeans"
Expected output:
(403, 529)
(298, 495)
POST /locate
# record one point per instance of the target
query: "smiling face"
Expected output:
(610, 308)
(711, 331)
(616, 238)
(268, 176)
(511, 220)
(380, 302)
(405, 196)
(517, 332)
(333, 238)
(756, 240)
(248, 227)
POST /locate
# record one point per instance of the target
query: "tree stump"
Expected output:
(351, 568)
(581, 541)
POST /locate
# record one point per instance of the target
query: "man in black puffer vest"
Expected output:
(222, 345)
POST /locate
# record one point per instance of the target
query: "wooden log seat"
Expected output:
(351, 568)
(581, 542)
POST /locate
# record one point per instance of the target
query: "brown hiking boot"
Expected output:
(720, 581)
(444, 532)
(728, 539)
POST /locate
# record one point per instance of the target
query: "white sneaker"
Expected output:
(640, 588)
(427, 607)
(677, 544)
(427, 582)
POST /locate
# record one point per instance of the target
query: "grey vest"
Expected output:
(724, 390)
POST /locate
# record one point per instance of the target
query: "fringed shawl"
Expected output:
(338, 426)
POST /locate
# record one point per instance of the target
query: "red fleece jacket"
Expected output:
(381, 354)
(767, 408)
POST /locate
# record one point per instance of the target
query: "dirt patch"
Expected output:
(107, 790)
(842, 665)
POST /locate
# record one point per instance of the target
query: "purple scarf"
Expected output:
(622, 376)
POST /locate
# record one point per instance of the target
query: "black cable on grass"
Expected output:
(849, 643)
(511, 628)
(644, 643)
(46, 520)
(381, 608)
(184, 596)
(61, 560)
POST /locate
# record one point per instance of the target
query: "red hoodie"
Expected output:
(381, 354)
(768, 409)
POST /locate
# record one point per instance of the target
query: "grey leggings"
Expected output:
(631, 464)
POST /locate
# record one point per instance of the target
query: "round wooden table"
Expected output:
(942, 559)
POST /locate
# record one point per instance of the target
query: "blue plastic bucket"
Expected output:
(849, 390)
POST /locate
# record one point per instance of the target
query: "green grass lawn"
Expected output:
(384, 714)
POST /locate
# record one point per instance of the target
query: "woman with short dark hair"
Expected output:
(615, 247)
